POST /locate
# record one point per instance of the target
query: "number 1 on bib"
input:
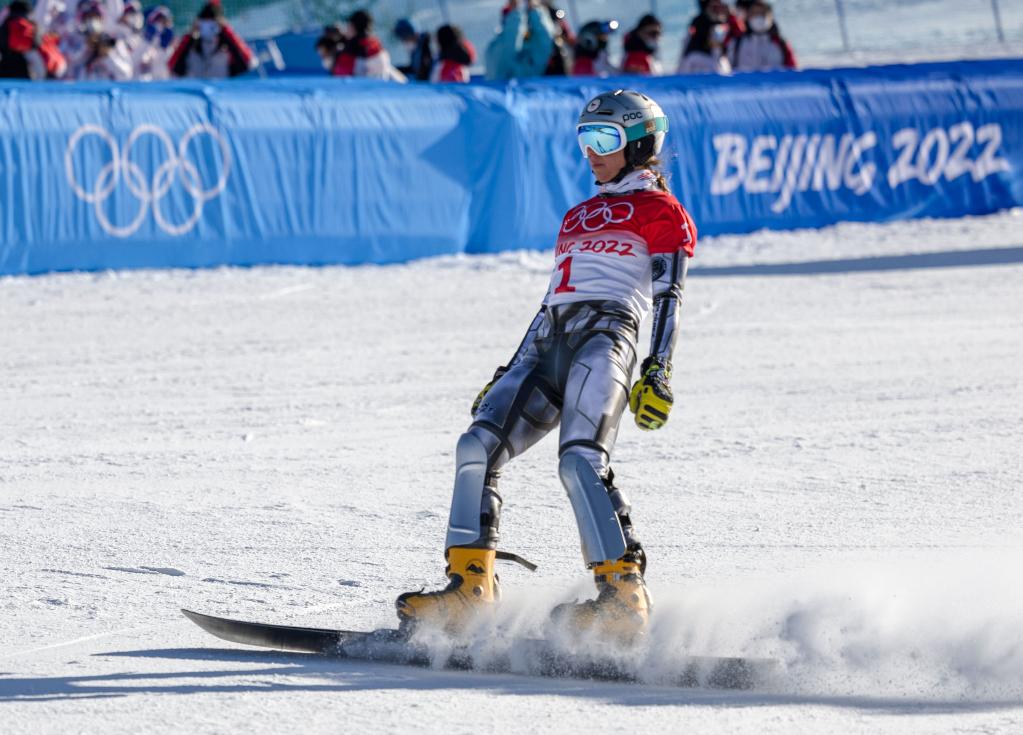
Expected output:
(565, 267)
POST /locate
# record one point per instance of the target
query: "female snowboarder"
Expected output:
(615, 253)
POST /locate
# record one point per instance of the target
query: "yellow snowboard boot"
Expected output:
(473, 590)
(621, 611)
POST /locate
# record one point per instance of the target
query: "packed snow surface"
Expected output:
(838, 488)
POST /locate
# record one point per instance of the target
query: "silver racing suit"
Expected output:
(573, 368)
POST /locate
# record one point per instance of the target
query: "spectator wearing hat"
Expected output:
(361, 53)
(761, 47)
(128, 31)
(420, 64)
(704, 52)
(211, 49)
(157, 45)
(591, 56)
(456, 54)
(719, 12)
(19, 44)
(641, 44)
(741, 8)
(524, 42)
(101, 56)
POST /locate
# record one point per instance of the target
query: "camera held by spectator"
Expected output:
(100, 55)
(107, 59)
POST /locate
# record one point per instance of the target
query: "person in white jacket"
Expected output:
(157, 45)
(761, 47)
(102, 56)
(705, 51)
(361, 54)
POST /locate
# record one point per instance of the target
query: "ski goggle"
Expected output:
(606, 138)
(603, 138)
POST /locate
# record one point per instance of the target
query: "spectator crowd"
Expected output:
(119, 40)
(115, 40)
(534, 38)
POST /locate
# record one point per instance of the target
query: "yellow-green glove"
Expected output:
(650, 398)
(486, 389)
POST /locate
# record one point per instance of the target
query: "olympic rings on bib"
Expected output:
(596, 217)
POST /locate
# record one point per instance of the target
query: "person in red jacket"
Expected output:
(641, 45)
(718, 12)
(212, 50)
(362, 54)
(19, 44)
(54, 61)
(455, 57)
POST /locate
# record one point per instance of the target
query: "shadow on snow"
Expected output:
(283, 672)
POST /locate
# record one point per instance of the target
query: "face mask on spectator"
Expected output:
(208, 29)
(93, 26)
(720, 33)
(759, 23)
(135, 21)
(652, 37)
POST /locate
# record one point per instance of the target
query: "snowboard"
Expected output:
(530, 656)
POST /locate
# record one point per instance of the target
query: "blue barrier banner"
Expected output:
(317, 170)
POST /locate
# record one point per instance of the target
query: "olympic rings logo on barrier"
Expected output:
(596, 218)
(150, 193)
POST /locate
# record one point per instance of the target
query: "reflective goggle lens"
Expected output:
(603, 139)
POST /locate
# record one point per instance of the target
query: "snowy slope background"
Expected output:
(838, 487)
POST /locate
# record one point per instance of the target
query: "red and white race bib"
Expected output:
(606, 243)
